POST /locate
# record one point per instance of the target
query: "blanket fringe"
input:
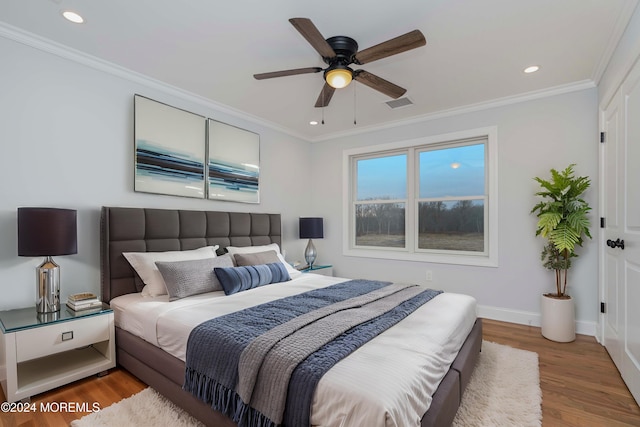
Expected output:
(225, 400)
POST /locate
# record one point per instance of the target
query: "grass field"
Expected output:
(473, 242)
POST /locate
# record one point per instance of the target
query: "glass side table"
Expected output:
(40, 352)
(325, 270)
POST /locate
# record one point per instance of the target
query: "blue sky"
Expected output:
(457, 171)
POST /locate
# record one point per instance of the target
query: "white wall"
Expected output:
(533, 137)
(66, 134)
(66, 131)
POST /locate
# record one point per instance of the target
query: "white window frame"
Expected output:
(488, 258)
(404, 201)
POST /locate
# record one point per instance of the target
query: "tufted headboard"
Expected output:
(156, 230)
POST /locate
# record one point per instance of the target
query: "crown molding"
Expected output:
(60, 50)
(37, 42)
(499, 102)
(619, 28)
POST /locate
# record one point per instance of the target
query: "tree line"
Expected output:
(434, 217)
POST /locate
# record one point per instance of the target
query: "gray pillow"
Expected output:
(192, 277)
(256, 258)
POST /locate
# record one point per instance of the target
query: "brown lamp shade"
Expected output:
(47, 232)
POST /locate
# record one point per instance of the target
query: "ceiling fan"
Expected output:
(340, 52)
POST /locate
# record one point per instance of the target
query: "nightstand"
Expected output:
(325, 270)
(39, 352)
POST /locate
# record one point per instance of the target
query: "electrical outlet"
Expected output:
(429, 275)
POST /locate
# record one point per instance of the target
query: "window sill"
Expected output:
(400, 255)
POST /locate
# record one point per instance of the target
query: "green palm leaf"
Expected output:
(564, 237)
(547, 222)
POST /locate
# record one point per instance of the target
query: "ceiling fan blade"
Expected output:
(400, 44)
(325, 96)
(284, 73)
(379, 84)
(313, 36)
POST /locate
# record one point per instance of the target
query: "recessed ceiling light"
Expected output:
(455, 165)
(313, 122)
(531, 69)
(73, 17)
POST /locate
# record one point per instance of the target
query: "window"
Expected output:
(432, 199)
(451, 198)
(381, 200)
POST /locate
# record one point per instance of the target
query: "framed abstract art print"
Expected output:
(169, 149)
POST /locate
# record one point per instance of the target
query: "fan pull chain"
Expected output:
(354, 103)
(323, 102)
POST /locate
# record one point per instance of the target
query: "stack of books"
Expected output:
(83, 301)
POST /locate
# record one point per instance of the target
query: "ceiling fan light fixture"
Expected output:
(338, 52)
(338, 76)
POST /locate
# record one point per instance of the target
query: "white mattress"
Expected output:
(409, 359)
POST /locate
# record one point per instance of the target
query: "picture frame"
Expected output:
(233, 163)
(170, 149)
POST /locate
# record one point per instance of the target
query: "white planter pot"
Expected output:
(558, 319)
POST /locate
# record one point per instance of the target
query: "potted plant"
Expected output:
(563, 221)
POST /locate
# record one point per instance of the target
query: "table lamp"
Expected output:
(47, 232)
(311, 228)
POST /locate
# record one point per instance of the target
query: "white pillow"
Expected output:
(145, 265)
(293, 273)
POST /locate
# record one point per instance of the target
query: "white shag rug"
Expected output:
(504, 391)
(144, 409)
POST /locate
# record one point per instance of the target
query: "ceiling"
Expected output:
(475, 53)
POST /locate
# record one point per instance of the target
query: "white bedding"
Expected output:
(409, 359)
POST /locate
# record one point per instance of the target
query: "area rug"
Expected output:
(504, 391)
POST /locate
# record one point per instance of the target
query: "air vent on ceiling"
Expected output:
(399, 103)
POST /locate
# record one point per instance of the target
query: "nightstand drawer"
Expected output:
(58, 337)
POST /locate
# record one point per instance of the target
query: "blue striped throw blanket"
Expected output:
(260, 366)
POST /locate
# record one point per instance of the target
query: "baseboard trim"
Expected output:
(530, 318)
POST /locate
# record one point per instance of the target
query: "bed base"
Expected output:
(165, 373)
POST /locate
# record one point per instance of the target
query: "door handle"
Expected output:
(616, 244)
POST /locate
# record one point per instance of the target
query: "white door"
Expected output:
(621, 235)
(611, 183)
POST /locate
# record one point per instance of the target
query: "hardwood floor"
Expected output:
(580, 385)
(102, 391)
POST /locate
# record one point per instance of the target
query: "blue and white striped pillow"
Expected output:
(238, 279)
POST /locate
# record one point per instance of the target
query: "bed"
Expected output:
(162, 365)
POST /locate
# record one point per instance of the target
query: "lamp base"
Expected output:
(310, 253)
(48, 287)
